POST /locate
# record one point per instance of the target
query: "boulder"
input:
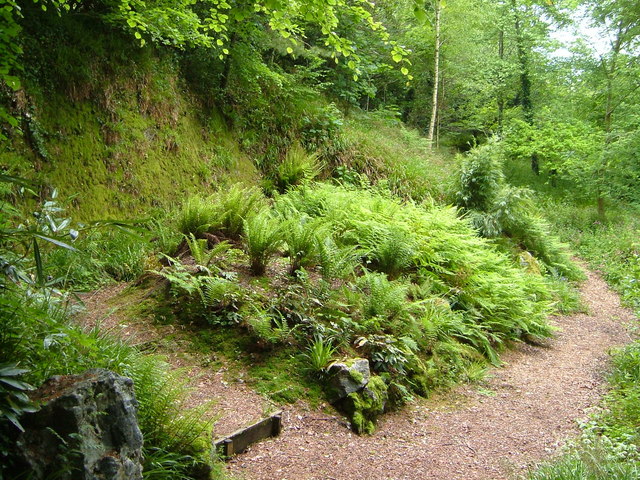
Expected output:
(86, 428)
(348, 377)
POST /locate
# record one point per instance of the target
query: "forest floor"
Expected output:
(520, 414)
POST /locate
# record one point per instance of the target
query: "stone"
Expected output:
(364, 407)
(86, 428)
(349, 377)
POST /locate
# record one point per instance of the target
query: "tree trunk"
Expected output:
(610, 72)
(601, 208)
(436, 76)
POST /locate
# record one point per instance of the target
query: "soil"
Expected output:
(234, 405)
(520, 414)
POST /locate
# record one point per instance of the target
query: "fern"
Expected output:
(202, 255)
(303, 238)
(234, 206)
(262, 238)
(164, 417)
(297, 166)
(383, 298)
(223, 213)
(196, 216)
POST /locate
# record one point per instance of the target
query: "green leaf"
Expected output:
(12, 371)
(289, 50)
(38, 260)
(404, 70)
(397, 57)
(56, 242)
(17, 384)
(420, 15)
(14, 419)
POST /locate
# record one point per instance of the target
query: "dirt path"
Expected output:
(520, 415)
(235, 405)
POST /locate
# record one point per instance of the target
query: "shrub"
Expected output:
(196, 216)
(319, 354)
(222, 213)
(303, 237)
(498, 210)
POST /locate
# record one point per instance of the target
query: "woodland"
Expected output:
(285, 186)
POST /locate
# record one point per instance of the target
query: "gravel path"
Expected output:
(520, 415)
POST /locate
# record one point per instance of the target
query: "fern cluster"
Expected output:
(498, 210)
(223, 213)
(296, 167)
(411, 287)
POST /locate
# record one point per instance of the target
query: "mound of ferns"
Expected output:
(413, 288)
(498, 301)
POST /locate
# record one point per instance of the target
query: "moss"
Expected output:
(356, 376)
(122, 133)
(365, 406)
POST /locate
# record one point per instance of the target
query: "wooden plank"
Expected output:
(238, 441)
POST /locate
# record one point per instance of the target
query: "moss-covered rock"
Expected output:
(366, 405)
(348, 377)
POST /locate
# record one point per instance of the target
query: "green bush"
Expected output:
(197, 216)
(475, 279)
(498, 210)
(304, 238)
(223, 213)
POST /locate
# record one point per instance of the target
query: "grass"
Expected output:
(397, 157)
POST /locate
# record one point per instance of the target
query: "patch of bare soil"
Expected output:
(520, 415)
(234, 404)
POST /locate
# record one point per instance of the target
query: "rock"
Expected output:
(366, 406)
(349, 377)
(86, 428)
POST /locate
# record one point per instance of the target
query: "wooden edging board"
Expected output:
(238, 441)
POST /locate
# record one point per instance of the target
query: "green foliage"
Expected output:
(296, 167)
(37, 333)
(202, 255)
(381, 297)
(222, 213)
(196, 216)
(588, 464)
(305, 239)
(271, 329)
(319, 355)
(102, 255)
(481, 178)
(610, 247)
(14, 400)
(262, 238)
(470, 276)
(378, 147)
(164, 418)
(498, 209)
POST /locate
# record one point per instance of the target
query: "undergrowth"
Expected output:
(38, 336)
(408, 286)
